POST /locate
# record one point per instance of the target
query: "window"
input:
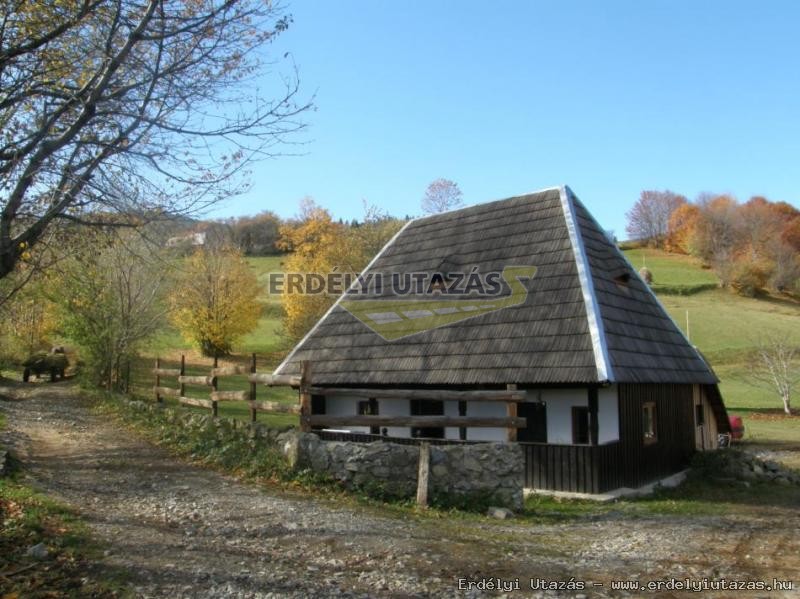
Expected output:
(318, 407)
(317, 404)
(580, 425)
(699, 415)
(650, 429)
(369, 408)
(427, 407)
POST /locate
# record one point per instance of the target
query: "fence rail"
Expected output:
(211, 381)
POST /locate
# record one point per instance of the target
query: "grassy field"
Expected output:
(726, 327)
(671, 269)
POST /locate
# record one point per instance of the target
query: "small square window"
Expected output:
(650, 428)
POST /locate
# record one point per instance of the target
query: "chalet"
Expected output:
(557, 345)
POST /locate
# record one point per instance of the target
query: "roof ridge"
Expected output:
(490, 202)
(593, 317)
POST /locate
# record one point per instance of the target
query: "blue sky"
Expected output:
(510, 97)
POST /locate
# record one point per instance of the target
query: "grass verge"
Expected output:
(27, 519)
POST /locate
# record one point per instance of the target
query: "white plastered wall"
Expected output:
(607, 415)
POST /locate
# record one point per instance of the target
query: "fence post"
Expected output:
(158, 380)
(214, 409)
(183, 373)
(253, 390)
(511, 412)
(422, 474)
(305, 396)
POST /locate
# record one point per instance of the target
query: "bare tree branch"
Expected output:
(144, 106)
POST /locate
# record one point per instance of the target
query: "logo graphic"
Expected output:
(396, 317)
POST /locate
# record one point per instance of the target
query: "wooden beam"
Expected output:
(167, 391)
(230, 370)
(183, 372)
(252, 397)
(276, 406)
(158, 379)
(214, 405)
(438, 394)
(200, 403)
(167, 371)
(422, 474)
(417, 421)
(275, 380)
(230, 395)
(196, 380)
(511, 412)
(305, 395)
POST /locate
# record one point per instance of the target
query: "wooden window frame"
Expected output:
(649, 424)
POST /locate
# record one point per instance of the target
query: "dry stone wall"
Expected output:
(482, 472)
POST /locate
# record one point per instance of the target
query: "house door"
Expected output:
(536, 429)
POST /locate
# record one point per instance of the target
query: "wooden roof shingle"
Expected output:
(578, 323)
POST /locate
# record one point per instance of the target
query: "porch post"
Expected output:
(511, 412)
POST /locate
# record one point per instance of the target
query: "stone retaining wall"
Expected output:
(484, 472)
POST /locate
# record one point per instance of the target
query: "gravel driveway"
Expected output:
(186, 531)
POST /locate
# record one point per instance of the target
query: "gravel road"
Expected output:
(183, 531)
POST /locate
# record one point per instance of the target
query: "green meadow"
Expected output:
(726, 328)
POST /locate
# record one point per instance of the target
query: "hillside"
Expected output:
(725, 327)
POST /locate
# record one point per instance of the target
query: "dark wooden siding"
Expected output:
(641, 463)
(628, 462)
(576, 468)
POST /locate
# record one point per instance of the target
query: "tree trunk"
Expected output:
(786, 407)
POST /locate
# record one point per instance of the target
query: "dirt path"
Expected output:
(185, 531)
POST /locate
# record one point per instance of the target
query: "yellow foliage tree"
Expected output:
(215, 300)
(682, 228)
(318, 244)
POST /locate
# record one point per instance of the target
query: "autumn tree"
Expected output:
(256, 235)
(442, 195)
(132, 107)
(111, 294)
(215, 300)
(648, 220)
(682, 228)
(319, 244)
(28, 323)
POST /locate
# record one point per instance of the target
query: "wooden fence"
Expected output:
(510, 396)
(211, 380)
(308, 421)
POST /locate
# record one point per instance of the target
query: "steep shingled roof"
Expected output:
(587, 317)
